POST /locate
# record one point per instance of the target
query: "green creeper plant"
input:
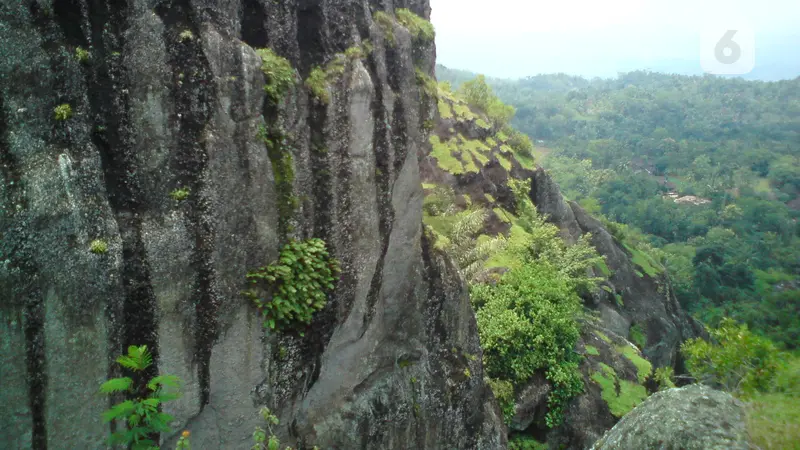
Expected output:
(139, 417)
(290, 290)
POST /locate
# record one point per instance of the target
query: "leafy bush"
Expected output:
(320, 78)
(663, 376)
(420, 29)
(737, 361)
(140, 415)
(528, 320)
(527, 323)
(278, 72)
(504, 393)
(289, 291)
(480, 95)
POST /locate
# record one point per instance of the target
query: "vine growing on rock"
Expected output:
(290, 290)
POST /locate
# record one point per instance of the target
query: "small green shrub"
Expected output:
(420, 29)
(525, 443)
(318, 85)
(266, 439)
(504, 393)
(183, 442)
(63, 112)
(664, 377)
(386, 23)
(185, 36)
(180, 194)
(140, 417)
(527, 322)
(279, 74)
(738, 361)
(98, 247)
(82, 55)
(428, 85)
(290, 290)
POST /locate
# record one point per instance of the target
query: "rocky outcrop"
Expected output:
(170, 96)
(691, 418)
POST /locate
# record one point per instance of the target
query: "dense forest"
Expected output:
(705, 170)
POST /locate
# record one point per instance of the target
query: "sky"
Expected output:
(516, 38)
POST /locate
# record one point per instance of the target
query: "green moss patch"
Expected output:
(602, 337)
(638, 336)
(644, 261)
(443, 152)
(643, 366)
(504, 162)
(445, 111)
(621, 396)
(603, 268)
(592, 350)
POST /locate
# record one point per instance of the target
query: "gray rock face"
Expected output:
(691, 418)
(171, 96)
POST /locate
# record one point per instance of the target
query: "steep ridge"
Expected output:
(634, 325)
(173, 159)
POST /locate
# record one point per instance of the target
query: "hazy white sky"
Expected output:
(591, 37)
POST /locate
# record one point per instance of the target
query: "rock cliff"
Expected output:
(144, 171)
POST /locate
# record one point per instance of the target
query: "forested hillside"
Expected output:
(705, 169)
(698, 177)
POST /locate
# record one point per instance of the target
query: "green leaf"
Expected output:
(116, 385)
(164, 380)
(119, 411)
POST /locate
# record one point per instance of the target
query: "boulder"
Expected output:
(695, 417)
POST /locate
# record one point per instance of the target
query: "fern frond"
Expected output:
(137, 359)
(119, 411)
(160, 422)
(144, 444)
(166, 396)
(164, 381)
(115, 385)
